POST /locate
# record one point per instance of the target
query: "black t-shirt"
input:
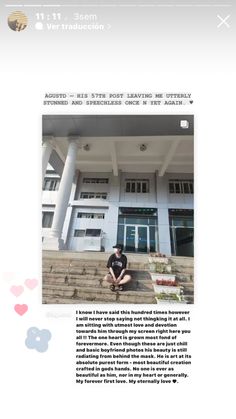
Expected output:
(117, 264)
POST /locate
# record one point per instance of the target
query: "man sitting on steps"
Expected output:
(117, 264)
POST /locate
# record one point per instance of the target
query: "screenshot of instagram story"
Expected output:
(117, 183)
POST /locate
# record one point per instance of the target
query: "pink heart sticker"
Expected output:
(31, 283)
(17, 290)
(20, 309)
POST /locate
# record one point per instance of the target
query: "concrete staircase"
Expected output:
(183, 268)
(77, 278)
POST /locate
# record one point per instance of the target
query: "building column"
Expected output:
(163, 215)
(112, 217)
(164, 231)
(47, 150)
(54, 241)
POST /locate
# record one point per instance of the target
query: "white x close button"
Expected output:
(223, 21)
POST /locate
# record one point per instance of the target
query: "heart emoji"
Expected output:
(31, 283)
(20, 309)
(174, 381)
(17, 290)
(191, 102)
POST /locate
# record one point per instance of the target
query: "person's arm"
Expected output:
(123, 270)
(112, 273)
(109, 263)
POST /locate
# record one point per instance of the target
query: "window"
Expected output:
(94, 180)
(79, 233)
(47, 219)
(137, 186)
(51, 184)
(143, 187)
(50, 171)
(138, 211)
(93, 232)
(181, 221)
(97, 216)
(137, 220)
(93, 195)
(181, 186)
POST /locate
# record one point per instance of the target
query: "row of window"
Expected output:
(95, 180)
(176, 221)
(137, 220)
(93, 195)
(89, 232)
(47, 219)
(131, 186)
(97, 215)
(181, 186)
(51, 184)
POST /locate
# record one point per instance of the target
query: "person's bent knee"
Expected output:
(126, 279)
(108, 278)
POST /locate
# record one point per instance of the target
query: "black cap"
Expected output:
(119, 246)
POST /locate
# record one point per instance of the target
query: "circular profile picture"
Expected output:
(17, 21)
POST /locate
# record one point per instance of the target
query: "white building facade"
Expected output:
(125, 179)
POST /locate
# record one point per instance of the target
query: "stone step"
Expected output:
(183, 270)
(101, 294)
(71, 293)
(189, 299)
(187, 284)
(66, 264)
(74, 271)
(101, 256)
(184, 277)
(57, 269)
(78, 272)
(182, 261)
(141, 285)
(188, 291)
(71, 278)
(51, 277)
(92, 274)
(182, 266)
(54, 300)
(77, 281)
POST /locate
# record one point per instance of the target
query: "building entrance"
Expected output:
(136, 239)
(137, 230)
(182, 232)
